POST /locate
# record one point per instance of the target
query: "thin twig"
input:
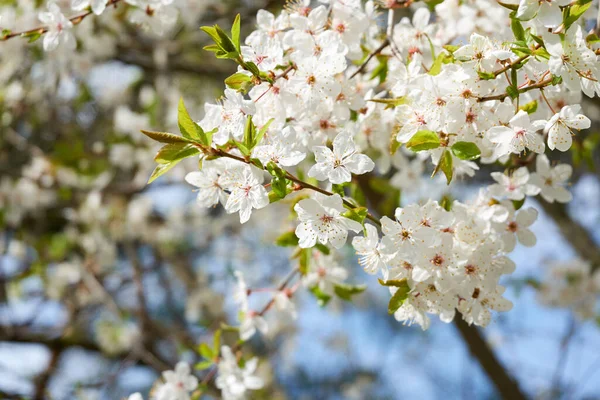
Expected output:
(76, 20)
(362, 67)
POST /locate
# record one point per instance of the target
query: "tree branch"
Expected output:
(506, 386)
(578, 237)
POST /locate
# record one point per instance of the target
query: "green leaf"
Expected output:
(445, 165)
(446, 203)
(398, 298)
(249, 134)
(275, 170)
(390, 103)
(206, 351)
(381, 70)
(517, 204)
(509, 6)
(164, 137)
(235, 32)
(423, 140)
(322, 298)
(393, 282)
(238, 81)
(202, 365)
(250, 66)
(262, 131)
(188, 127)
(322, 248)
(212, 32)
(217, 342)
(486, 75)
(574, 12)
(338, 188)
(245, 150)
(225, 41)
(442, 58)
(466, 150)
(304, 260)
(516, 27)
(287, 239)
(592, 38)
(345, 292)
(175, 152)
(450, 48)
(556, 80)
(530, 107)
(356, 214)
(32, 36)
(512, 92)
(160, 170)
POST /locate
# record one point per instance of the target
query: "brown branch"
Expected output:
(514, 63)
(362, 67)
(502, 96)
(506, 386)
(578, 237)
(43, 379)
(76, 20)
(299, 182)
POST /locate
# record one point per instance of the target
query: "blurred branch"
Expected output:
(43, 380)
(507, 387)
(76, 20)
(578, 237)
(145, 62)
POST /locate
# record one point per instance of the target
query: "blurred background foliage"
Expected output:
(105, 282)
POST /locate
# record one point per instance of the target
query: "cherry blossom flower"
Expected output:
(234, 381)
(560, 125)
(552, 180)
(518, 136)
(178, 384)
(321, 221)
(247, 192)
(517, 227)
(514, 186)
(59, 28)
(373, 254)
(98, 6)
(339, 165)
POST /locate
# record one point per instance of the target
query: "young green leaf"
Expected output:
(160, 170)
(393, 282)
(206, 351)
(287, 239)
(466, 150)
(398, 298)
(235, 33)
(238, 81)
(164, 137)
(345, 292)
(445, 165)
(175, 152)
(423, 140)
(530, 107)
(188, 127)
(356, 214)
(322, 297)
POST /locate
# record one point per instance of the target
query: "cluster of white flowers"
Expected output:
(572, 284)
(450, 259)
(326, 102)
(159, 15)
(176, 385)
